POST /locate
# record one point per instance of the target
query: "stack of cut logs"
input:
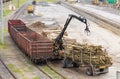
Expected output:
(74, 50)
(87, 53)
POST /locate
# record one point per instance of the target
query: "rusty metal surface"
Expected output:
(33, 44)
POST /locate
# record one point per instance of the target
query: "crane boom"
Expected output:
(58, 40)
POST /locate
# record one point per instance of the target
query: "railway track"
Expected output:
(48, 65)
(7, 69)
(19, 12)
(53, 69)
(0, 77)
(103, 22)
(40, 69)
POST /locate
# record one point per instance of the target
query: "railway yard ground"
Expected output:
(18, 65)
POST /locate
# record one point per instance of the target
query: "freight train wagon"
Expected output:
(37, 47)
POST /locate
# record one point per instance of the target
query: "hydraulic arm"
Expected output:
(58, 41)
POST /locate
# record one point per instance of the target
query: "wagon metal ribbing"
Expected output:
(34, 45)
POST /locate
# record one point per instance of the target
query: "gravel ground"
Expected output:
(4, 74)
(99, 36)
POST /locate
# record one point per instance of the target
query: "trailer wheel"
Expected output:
(31, 59)
(106, 70)
(75, 65)
(67, 62)
(89, 71)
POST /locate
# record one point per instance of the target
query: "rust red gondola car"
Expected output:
(37, 47)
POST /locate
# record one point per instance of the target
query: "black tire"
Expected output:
(31, 59)
(44, 62)
(75, 65)
(66, 62)
(106, 70)
(89, 71)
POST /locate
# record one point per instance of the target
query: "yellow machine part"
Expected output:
(30, 8)
(96, 2)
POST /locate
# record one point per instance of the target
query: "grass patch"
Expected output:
(21, 2)
(11, 65)
(5, 30)
(36, 78)
(47, 69)
(24, 78)
(6, 12)
(51, 0)
(17, 70)
(46, 0)
(3, 45)
(13, 68)
(14, 2)
(30, 67)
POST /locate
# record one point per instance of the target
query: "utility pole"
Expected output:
(2, 24)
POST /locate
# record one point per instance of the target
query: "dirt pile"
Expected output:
(37, 25)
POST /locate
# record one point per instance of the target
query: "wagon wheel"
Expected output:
(35, 61)
(31, 59)
(89, 71)
(44, 61)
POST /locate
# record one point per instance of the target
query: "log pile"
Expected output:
(49, 32)
(52, 34)
(87, 53)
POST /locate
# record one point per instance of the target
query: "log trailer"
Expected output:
(70, 59)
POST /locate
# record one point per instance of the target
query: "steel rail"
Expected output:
(19, 12)
(49, 65)
(44, 72)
